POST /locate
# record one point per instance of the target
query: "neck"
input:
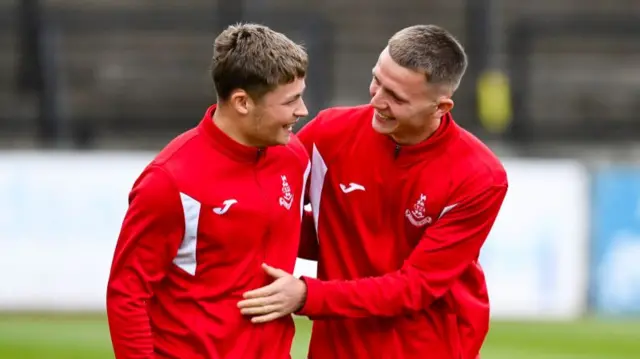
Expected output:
(415, 137)
(231, 126)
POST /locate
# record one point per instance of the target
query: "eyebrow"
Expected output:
(391, 92)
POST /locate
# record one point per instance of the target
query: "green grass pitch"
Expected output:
(53, 336)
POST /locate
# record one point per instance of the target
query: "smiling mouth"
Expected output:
(383, 117)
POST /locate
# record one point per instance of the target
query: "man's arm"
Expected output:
(149, 239)
(445, 251)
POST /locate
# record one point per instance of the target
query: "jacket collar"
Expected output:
(434, 145)
(225, 144)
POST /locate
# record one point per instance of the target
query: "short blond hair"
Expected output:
(430, 49)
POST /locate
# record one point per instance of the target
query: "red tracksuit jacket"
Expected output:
(202, 218)
(399, 230)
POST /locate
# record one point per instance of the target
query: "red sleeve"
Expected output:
(149, 239)
(444, 252)
(308, 238)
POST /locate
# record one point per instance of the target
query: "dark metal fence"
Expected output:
(84, 73)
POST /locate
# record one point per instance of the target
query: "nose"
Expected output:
(302, 111)
(373, 89)
(376, 100)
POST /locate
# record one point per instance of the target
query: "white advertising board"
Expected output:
(60, 216)
(536, 257)
(61, 213)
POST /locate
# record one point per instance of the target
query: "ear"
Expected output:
(240, 101)
(445, 104)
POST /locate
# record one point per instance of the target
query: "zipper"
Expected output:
(391, 192)
(265, 198)
(265, 237)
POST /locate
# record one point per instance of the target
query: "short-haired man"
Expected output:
(403, 199)
(216, 202)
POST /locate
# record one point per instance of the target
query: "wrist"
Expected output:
(303, 297)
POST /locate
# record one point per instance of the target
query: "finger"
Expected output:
(274, 272)
(257, 302)
(263, 310)
(265, 291)
(267, 318)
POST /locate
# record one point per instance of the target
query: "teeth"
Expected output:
(383, 116)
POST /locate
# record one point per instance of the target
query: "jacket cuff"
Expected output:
(314, 300)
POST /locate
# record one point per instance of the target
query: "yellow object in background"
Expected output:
(494, 101)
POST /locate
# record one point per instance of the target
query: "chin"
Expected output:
(383, 127)
(282, 139)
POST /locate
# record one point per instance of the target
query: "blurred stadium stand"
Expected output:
(123, 74)
(549, 82)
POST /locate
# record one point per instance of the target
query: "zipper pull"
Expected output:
(397, 151)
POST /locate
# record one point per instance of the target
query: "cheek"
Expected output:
(405, 115)
(426, 112)
(399, 112)
(414, 117)
(262, 123)
(274, 120)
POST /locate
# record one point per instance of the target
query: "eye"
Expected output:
(293, 100)
(397, 99)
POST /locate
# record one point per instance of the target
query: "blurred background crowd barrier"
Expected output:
(89, 90)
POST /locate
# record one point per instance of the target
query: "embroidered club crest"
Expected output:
(286, 200)
(416, 215)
